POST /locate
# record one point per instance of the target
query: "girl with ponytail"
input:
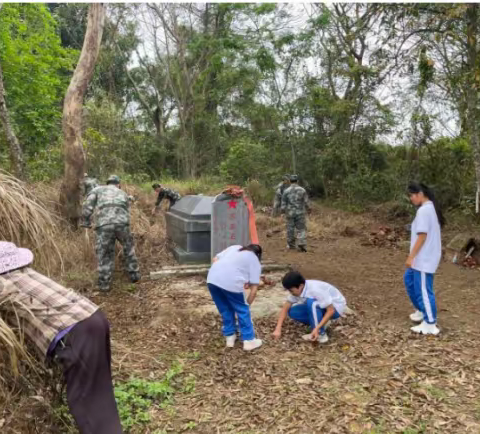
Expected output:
(424, 258)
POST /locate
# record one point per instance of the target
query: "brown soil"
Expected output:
(374, 375)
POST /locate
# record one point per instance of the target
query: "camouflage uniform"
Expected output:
(279, 190)
(112, 223)
(294, 205)
(88, 185)
(168, 193)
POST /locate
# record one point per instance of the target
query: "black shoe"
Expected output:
(302, 249)
(135, 278)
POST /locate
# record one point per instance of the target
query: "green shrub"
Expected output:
(136, 396)
(247, 160)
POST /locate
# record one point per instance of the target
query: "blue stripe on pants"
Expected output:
(231, 303)
(309, 313)
(419, 286)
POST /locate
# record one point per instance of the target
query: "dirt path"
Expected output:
(374, 376)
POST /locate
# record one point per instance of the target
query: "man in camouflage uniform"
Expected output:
(164, 192)
(295, 205)
(279, 189)
(88, 184)
(112, 223)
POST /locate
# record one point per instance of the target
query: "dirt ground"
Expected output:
(374, 375)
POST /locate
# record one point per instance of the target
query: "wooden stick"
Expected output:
(195, 266)
(203, 271)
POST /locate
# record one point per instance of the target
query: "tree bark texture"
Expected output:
(74, 156)
(472, 93)
(16, 153)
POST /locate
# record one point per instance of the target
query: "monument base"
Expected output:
(184, 257)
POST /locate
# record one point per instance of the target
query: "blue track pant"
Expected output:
(419, 286)
(309, 313)
(231, 303)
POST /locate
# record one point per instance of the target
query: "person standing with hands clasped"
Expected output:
(424, 258)
(234, 270)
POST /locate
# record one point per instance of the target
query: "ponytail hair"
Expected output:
(254, 248)
(414, 188)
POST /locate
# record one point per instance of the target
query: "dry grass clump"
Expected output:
(149, 231)
(336, 222)
(320, 224)
(27, 223)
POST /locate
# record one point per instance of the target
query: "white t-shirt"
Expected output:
(323, 292)
(426, 221)
(234, 268)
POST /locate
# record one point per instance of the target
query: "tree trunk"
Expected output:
(472, 91)
(74, 156)
(16, 153)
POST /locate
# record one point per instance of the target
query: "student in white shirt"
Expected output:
(234, 270)
(311, 302)
(424, 258)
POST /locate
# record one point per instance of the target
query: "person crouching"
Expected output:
(311, 302)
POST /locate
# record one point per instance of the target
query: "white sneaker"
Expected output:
(323, 339)
(252, 344)
(426, 329)
(231, 341)
(416, 316)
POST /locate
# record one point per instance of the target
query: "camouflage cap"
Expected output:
(293, 178)
(113, 179)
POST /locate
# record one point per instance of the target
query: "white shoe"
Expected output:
(231, 341)
(426, 329)
(323, 339)
(416, 316)
(252, 344)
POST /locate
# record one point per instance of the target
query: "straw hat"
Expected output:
(12, 257)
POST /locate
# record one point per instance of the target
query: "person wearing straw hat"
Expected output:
(112, 223)
(67, 328)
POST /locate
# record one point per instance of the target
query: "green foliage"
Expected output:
(46, 164)
(128, 150)
(261, 194)
(136, 396)
(232, 101)
(246, 160)
(64, 418)
(36, 72)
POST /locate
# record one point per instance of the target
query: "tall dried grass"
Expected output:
(27, 223)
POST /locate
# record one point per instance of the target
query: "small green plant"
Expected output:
(62, 413)
(136, 396)
(189, 384)
(131, 288)
(189, 425)
(420, 430)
